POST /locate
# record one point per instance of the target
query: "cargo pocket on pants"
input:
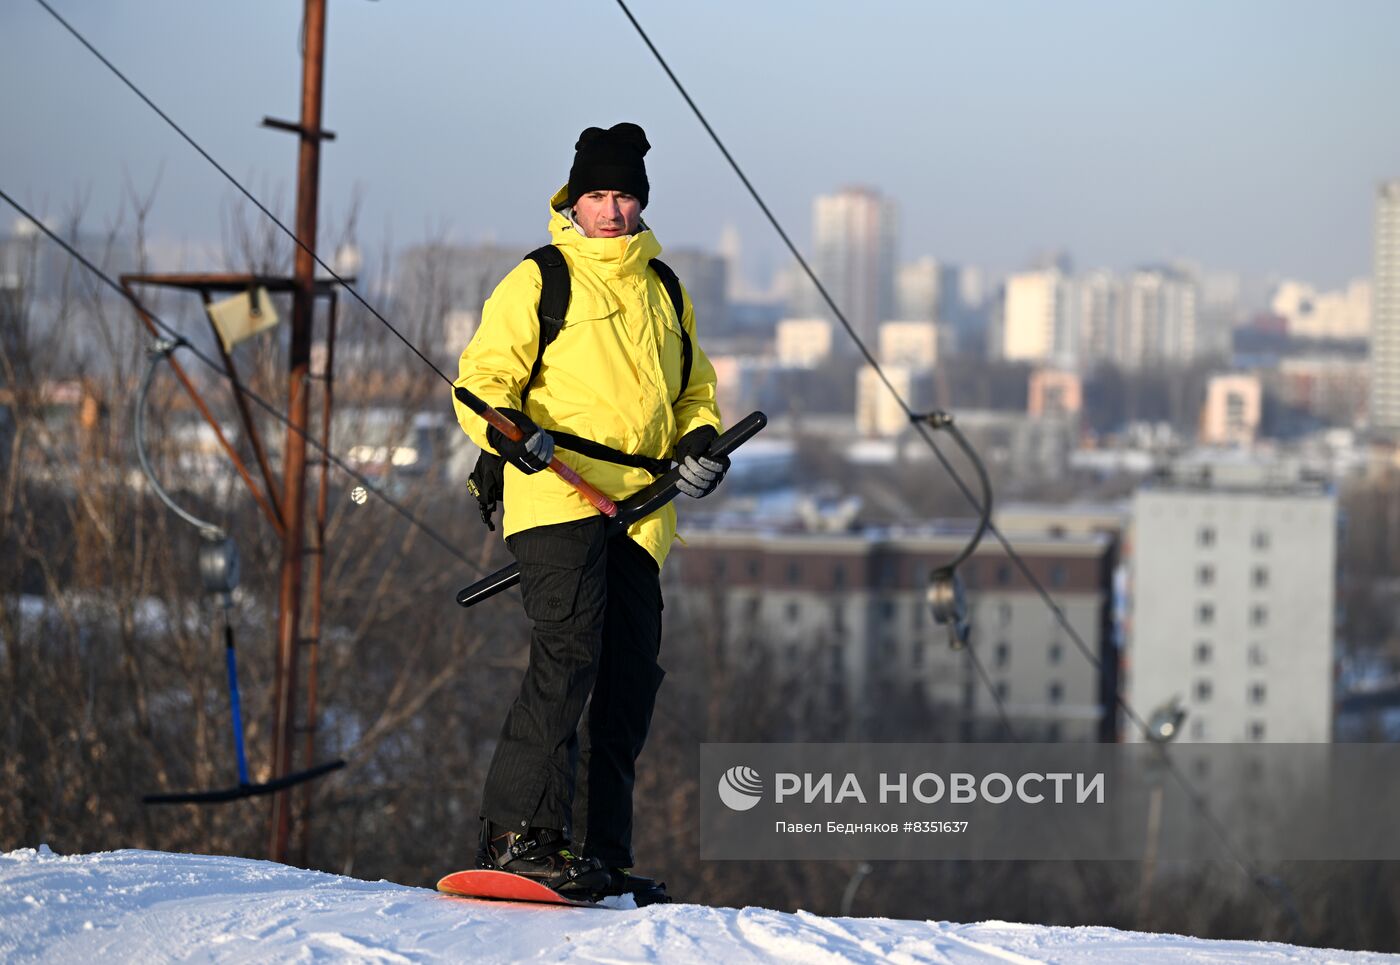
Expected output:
(552, 563)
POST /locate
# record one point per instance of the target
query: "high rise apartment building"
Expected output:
(1385, 313)
(854, 233)
(1037, 323)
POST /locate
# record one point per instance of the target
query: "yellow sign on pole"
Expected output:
(242, 316)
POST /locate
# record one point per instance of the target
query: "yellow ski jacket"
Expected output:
(613, 375)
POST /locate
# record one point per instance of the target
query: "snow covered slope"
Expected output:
(143, 906)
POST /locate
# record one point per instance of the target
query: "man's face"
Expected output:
(608, 214)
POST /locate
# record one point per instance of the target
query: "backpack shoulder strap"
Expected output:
(672, 284)
(555, 291)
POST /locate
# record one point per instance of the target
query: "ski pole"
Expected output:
(512, 432)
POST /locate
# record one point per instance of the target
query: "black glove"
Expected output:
(700, 472)
(487, 485)
(532, 453)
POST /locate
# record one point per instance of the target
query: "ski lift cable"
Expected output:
(258, 400)
(917, 421)
(241, 189)
(996, 694)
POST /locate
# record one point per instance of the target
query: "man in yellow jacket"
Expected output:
(615, 382)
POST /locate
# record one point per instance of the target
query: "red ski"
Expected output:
(504, 886)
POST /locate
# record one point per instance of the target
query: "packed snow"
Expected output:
(145, 906)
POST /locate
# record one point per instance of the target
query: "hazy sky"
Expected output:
(1244, 135)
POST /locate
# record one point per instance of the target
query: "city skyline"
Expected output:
(1000, 130)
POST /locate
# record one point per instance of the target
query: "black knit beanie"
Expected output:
(610, 160)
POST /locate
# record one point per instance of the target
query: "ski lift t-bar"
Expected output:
(947, 596)
(637, 506)
(512, 432)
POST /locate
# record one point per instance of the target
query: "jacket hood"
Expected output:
(626, 255)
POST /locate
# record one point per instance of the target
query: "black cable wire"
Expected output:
(262, 403)
(241, 189)
(996, 695)
(923, 431)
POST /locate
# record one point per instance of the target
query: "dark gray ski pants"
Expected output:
(596, 608)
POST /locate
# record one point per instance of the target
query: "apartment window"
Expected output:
(1056, 692)
(1258, 616)
(1003, 654)
(755, 567)
(1257, 693)
(1004, 614)
(794, 572)
(1205, 537)
(836, 659)
(1059, 576)
(1205, 614)
(752, 607)
(1256, 730)
(887, 609)
(1205, 575)
(717, 568)
(1003, 689)
(1003, 574)
(1052, 732)
(1257, 656)
(838, 617)
(838, 576)
(1261, 539)
(919, 647)
(793, 610)
(1198, 729)
(1057, 652)
(1203, 652)
(1260, 577)
(918, 615)
(1203, 691)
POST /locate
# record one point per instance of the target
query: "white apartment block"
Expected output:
(910, 343)
(1157, 322)
(1310, 313)
(854, 232)
(803, 342)
(1233, 568)
(1385, 312)
(878, 413)
(1036, 320)
(1232, 410)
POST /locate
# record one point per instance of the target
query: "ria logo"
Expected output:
(740, 788)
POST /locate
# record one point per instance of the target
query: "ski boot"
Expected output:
(543, 855)
(644, 891)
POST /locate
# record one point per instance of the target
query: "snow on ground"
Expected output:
(145, 906)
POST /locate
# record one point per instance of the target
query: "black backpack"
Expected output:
(487, 480)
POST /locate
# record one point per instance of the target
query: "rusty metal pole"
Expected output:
(318, 576)
(298, 396)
